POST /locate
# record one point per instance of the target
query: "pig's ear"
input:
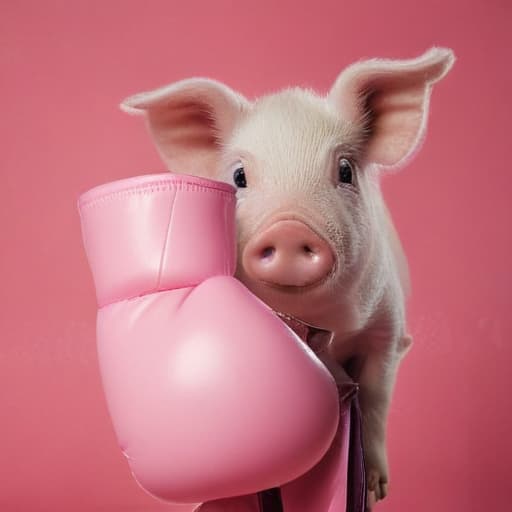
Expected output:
(390, 99)
(189, 122)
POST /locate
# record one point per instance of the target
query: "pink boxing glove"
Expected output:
(210, 393)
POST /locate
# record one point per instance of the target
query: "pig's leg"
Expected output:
(376, 380)
(376, 383)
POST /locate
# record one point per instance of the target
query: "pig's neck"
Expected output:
(371, 315)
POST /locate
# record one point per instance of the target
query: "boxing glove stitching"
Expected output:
(151, 180)
(150, 188)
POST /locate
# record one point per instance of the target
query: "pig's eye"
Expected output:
(345, 171)
(239, 177)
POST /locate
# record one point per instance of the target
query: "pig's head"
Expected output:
(306, 168)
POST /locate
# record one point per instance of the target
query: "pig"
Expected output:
(315, 238)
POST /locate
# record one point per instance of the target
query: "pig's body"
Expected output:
(315, 238)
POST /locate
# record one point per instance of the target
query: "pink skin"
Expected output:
(288, 253)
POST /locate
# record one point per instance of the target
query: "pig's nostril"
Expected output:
(267, 253)
(307, 250)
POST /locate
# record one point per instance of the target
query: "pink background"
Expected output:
(65, 66)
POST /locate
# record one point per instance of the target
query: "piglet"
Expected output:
(315, 239)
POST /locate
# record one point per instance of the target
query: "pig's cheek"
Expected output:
(240, 272)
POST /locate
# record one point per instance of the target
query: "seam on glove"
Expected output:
(167, 233)
(150, 188)
(143, 295)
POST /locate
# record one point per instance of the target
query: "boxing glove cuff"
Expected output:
(140, 233)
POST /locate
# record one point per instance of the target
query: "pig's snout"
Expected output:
(288, 253)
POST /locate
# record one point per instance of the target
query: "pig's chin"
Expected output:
(306, 303)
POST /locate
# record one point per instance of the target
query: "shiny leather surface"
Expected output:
(337, 483)
(210, 393)
(157, 232)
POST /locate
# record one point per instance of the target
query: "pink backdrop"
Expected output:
(64, 67)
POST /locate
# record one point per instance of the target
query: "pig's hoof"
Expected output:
(370, 501)
(376, 478)
(377, 486)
